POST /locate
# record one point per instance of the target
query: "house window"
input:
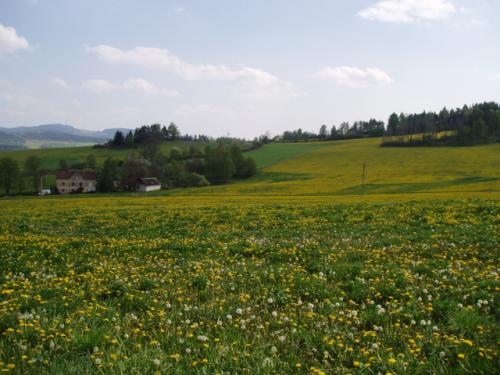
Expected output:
(63, 184)
(81, 184)
(72, 184)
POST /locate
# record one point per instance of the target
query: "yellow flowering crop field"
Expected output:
(336, 168)
(193, 285)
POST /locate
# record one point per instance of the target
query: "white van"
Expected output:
(45, 192)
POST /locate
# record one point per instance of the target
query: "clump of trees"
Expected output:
(150, 136)
(12, 176)
(216, 164)
(191, 167)
(477, 124)
(9, 174)
(146, 136)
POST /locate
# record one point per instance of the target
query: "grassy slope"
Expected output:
(281, 152)
(335, 168)
(50, 156)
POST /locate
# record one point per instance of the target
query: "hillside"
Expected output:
(332, 169)
(50, 136)
(335, 168)
(50, 156)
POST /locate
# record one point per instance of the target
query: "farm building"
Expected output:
(148, 184)
(76, 181)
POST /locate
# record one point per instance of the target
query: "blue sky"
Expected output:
(239, 67)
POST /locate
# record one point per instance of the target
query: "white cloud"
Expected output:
(100, 85)
(354, 77)
(10, 41)
(152, 57)
(59, 82)
(409, 10)
(496, 77)
(179, 9)
(131, 84)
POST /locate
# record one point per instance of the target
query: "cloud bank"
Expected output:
(409, 10)
(354, 77)
(159, 58)
(10, 42)
(132, 84)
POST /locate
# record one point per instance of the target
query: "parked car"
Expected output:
(44, 192)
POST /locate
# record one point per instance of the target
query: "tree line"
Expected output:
(358, 129)
(192, 167)
(479, 123)
(150, 136)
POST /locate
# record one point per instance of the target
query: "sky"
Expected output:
(239, 67)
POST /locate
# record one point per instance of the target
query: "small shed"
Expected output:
(148, 184)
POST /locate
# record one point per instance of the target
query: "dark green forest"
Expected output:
(477, 124)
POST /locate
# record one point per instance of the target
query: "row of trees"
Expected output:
(150, 137)
(359, 129)
(192, 167)
(479, 123)
(146, 135)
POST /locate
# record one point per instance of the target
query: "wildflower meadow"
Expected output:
(170, 285)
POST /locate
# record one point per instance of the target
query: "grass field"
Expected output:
(184, 285)
(275, 153)
(335, 168)
(292, 271)
(50, 156)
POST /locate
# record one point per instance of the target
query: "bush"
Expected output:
(176, 153)
(197, 180)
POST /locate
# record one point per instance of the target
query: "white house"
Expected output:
(148, 184)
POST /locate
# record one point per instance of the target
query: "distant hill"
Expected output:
(51, 135)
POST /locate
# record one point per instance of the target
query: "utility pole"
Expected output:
(363, 179)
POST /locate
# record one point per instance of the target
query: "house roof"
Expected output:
(67, 174)
(149, 181)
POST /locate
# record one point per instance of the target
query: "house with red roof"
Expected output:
(76, 181)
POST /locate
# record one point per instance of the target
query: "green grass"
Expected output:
(275, 153)
(335, 168)
(50, 156)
